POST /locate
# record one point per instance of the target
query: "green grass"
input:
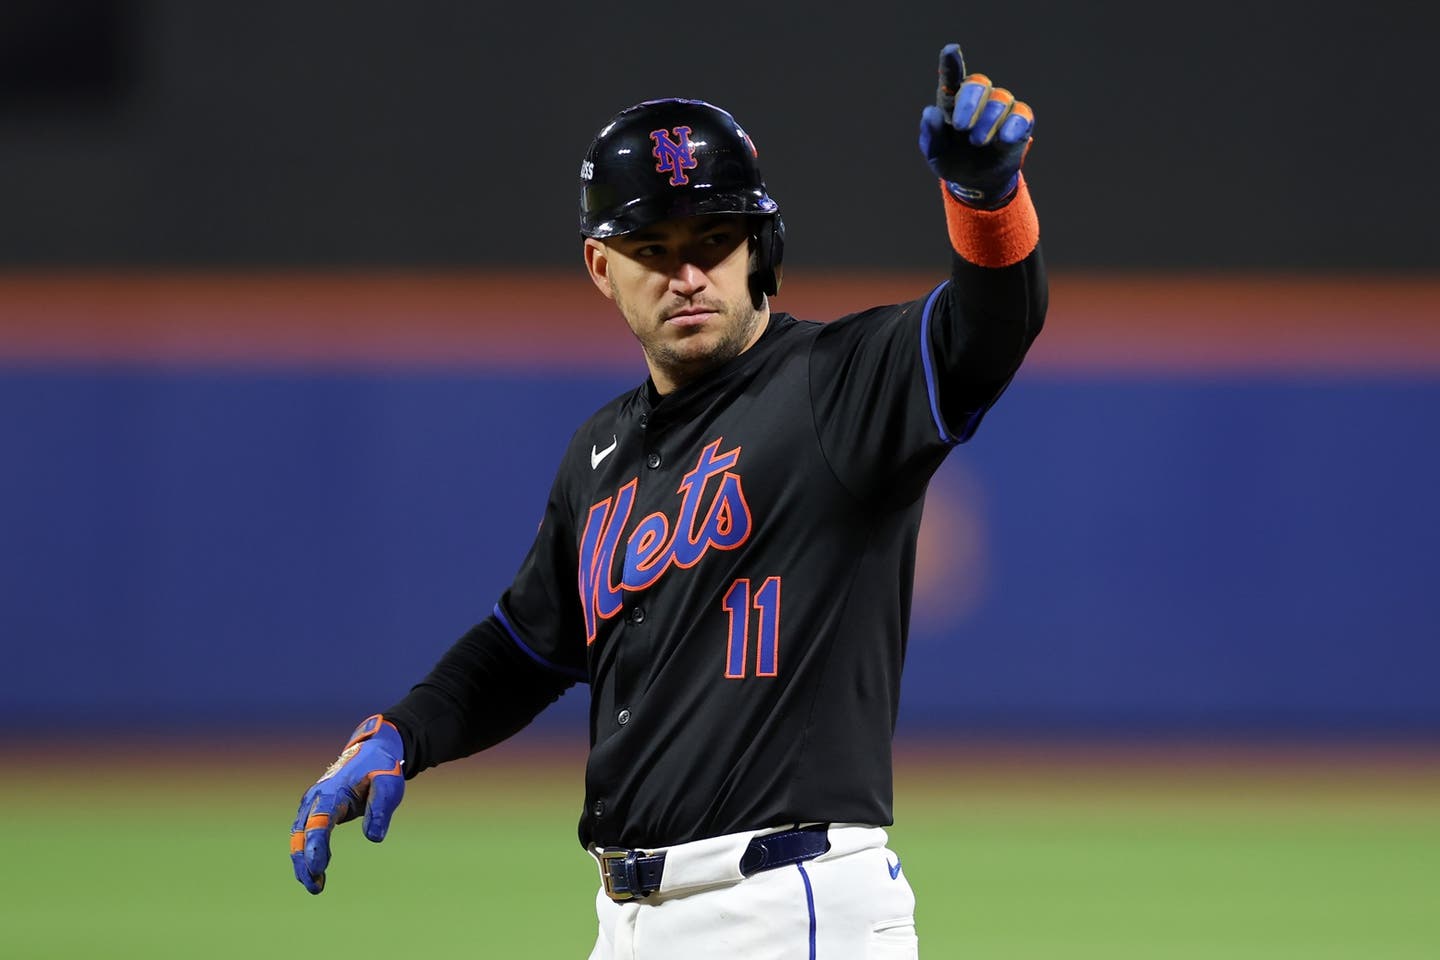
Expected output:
(189, 861)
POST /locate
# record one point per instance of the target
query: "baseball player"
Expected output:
(727, 552)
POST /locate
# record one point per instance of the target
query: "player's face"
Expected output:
(683, 287)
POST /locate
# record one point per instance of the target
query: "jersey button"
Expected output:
(652, 461)
(598, 809)
(637, 614)
(623, 717)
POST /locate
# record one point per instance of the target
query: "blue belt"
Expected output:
(628, 875)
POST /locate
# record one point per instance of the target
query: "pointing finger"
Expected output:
(952, 69)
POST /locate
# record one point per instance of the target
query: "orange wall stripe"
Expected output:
(555, 320)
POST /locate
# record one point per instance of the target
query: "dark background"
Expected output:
(1222, 135)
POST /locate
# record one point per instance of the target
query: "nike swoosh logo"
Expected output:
(894, 868)
(598, 455)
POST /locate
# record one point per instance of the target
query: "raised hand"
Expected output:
(976, 134)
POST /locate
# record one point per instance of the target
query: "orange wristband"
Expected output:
(993, 238)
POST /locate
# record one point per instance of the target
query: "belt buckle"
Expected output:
(631, 875)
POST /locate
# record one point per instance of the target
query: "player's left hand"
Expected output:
(367, 778)
(976, 135)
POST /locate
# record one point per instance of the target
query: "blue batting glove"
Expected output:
(976, 135)
(366, 776)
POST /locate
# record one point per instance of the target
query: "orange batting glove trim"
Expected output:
(397, 771)
(367, 729)
(993, 238)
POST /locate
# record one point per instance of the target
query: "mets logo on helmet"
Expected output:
(674, 158)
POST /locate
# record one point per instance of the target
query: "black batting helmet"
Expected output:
(663, 159)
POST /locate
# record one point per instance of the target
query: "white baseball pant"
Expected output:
(850, 903)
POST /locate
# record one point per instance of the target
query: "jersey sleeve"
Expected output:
(894, 388)
(506, 669)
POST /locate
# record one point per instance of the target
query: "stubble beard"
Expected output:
(680, 359)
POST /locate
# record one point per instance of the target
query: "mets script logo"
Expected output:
(674, 158)
(655, 545)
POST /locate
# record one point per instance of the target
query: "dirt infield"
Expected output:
(1188, 768)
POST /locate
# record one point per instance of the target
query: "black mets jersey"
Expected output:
(729, 567)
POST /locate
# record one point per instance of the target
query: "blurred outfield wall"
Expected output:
(1205, 507)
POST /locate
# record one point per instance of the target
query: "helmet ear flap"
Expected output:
(769, 253)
